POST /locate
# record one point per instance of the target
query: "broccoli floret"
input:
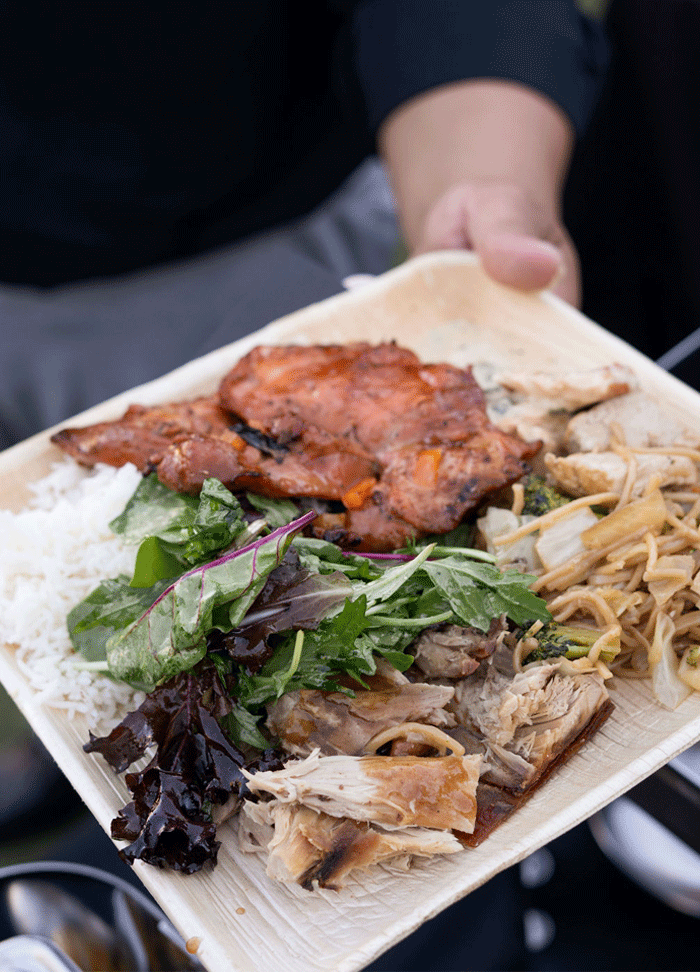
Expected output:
(693, 656)
(556, 640)
(541, 498)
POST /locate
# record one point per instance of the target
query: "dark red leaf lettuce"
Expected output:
(195, 765)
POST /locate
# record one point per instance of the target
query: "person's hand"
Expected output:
(480, 164)
(519, 242)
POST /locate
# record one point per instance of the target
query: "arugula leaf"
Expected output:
(479, 592)
(170, 636)
(324, 557)
(292, 598)
(392, 578)
(326, 653)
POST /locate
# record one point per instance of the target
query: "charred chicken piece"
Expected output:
(426, 425)
(143, 435)
(406, 447)
(300, 468)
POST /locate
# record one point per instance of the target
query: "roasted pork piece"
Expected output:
(401, 791)
(324, 816)
(336, 723)
(308, 847)
(523, 723)
(407, 448)
(451, 651)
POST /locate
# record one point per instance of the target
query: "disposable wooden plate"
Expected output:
(445, 308)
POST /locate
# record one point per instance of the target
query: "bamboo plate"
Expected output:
(445, 308)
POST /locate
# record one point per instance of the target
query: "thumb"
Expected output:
(516, 240)
(519, 260)
(520, 244)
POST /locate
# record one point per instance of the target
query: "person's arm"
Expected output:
(475, 106)
(480, 164)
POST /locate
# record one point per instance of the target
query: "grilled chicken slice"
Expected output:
(637, 417)
(585, 473)
(143, 435)
(426, 425)
(571, 390)
(307, 847)
(335, 723)
(527, 721)
(401, 791)
(538, 405)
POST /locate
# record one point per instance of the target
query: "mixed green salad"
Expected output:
(229, 607)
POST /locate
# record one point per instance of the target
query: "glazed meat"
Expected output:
(406, 448)
(401, 791)
(143, 435)
(336, 723)
(425, 425)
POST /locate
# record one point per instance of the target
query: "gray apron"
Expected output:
(65, 349)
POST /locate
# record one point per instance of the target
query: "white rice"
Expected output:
(53, 554)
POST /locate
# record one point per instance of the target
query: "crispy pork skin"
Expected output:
(336, 723)
(401, 791)
(307, 847)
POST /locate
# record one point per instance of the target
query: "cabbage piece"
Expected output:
(562, 540)
(496, 523)
(668, 687)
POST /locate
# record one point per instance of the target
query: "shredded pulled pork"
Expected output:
(524, 722)
(401, 791)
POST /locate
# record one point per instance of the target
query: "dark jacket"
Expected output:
(134, 133)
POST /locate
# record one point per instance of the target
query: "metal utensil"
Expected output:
(39, 908)
(155, 941)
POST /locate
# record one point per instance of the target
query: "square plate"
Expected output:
(444, 308)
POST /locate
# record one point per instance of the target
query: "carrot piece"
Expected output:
(427, 465)
(357, 494)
